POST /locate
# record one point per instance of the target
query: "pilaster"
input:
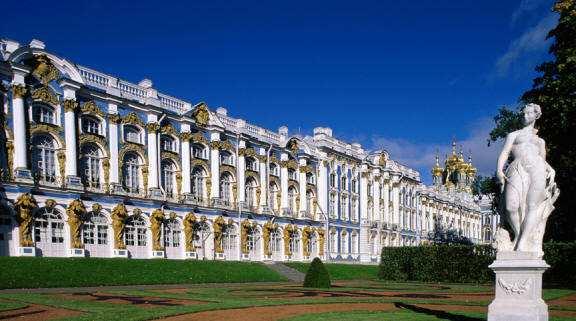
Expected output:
(22, 172)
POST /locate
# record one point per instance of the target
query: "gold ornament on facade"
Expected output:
(221, 145)
(86, 138)
(290, 164)
(266, 231)
(288, 233)
(321, 241)
(91, 108)
(258, 193)
(132, 119)
(62, 164)
(190, 225)
(45, 128)
(383, 159)
(185, 136)
(306, 169)
(45, 95)
(10, 151)
(234, 192)
(168, 129)
(249, 151)
(119, 216)
(156, 221)
(297, 204)
(209, 187)
(70, 105)
(114, 118)
(178, 182)
(199, 138)
(44, 70)
(292, 146)
(106, 169)
(25, 205)
(201, 115)
(152, 127)
(145, 177)
(218, 227)
(76, 211)
(306, 232)
(19, 90)
(245, 229)
(50, 203)
(278, 201)
(96, 208)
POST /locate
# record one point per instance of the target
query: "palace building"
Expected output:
(96, 166)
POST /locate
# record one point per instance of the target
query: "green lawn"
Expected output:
(343, 271)
(10, 305)
(24, 272)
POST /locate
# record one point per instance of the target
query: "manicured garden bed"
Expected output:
(23, 272)
(342, 271)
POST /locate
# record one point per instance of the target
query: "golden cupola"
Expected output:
(437, 171)
(471, 171)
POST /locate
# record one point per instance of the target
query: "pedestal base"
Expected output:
(191, 255)
(158, 254)
(155, 193)
(220, 256)
(121, 253)
(518, 288)
(74, 182)
(77, 253)
(26, 251)
(23, 175)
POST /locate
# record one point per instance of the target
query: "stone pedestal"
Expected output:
(74, 182)
(158, 254)
(26, 251)
(121, 253)
(518, 288)
(77, 253)
(220, 256)
(191, 255)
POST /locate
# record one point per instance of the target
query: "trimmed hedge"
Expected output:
(339, 271)
(317, 275)
(32, 272)
(467, 263)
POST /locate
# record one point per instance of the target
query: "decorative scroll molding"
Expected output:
(114, 118)
(221, 145)
(168, 129)
(518, 287)
(199, 162)
(306, 169)
(166, 154)
(201, 115)
(198, 137)
(19, 90)
(290, 164)
(152, 127)
(252, 174)
(227, 168)
(292, 146)
(185, 136)
(132, 119)
(45, 95)
(247, 152)
(274, 179)
(86, 138)
(70, 105)
(90, 107)
(44, 70)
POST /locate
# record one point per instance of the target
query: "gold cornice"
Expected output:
(19, 90)
(132, 119)
(291, 164)
(90, 107)
(70, 105)
(306, 169)
(185, 136)
(45, 95)
(221, 145)
(247, 152)
(168, 129)
(152, 127)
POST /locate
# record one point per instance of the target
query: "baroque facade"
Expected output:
(93, 165)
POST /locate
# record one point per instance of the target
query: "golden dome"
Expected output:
(437, 170)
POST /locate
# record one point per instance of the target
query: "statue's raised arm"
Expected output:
(527, 186)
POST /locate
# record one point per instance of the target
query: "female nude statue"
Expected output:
(527, 185)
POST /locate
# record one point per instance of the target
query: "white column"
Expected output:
(186, 172)
(284, 182)
(302, 187)
(19, 123)
(322, 186)
(377, 196)
(386, 214)
(263, 172)
(215, 166)
(114, 119)
(151, 128)
(70, 131)
(364, 195)
(241, 173)
(396, 203)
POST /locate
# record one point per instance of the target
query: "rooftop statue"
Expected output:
(527, 186)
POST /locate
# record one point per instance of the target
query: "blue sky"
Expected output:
(407, 76)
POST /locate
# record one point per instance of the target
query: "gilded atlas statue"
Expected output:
(119, 216)
(527, 186)
(76, 212)
(25, 206)
(156, 220)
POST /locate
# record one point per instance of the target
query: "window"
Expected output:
(199, 151)
(332, 180)
(332, 205)
(226, 188)
(294, 244)
(344, 205)
(344, 183)
(49, 227)
(130, 173)
(274, 196)
(333, 241)
(309, 201)
(135, 231)
(354, 208)
(310, 179)
(369, 188)
(226, 158)
(90, 166)
(168, 143)
(229, 239)
(344, 243)
(198, 182)
(250, 193)
(95, 230)
(172, 233)
(44, 114)
(167, 177)
(275, 241)
(292, 199)
(44, 158)
(252, 242)
(132, 134)
(251, 164)
(354, 188)
(292, 174)
(90, 125)
(274, 170)
(354, 243)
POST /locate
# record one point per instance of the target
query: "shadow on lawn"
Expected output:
(439, 314)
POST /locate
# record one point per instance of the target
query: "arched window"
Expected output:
(294, 244)
(273, 195)
(333, 242)
(201, 234)
(132, 134)
(276, 241)
(229, 236)
(226, 188)
(253, 238)
(44, 114)
(168, 177)
(90, 165)
(310, 179)
(130, 173)
(354, 243)
(172, 233)
(332, 205)
(292, 174)
(168, 143)
(369, 189)
(198, 182)
(344, 242)
(95, 229)
(354, 188)
(332, 180)
(274, 170)
(226, 158)
(90, 125)
(49, 227)
(199, 151)
(309, 201)
(135, 231)
(344, 183)
(344, 207)
(354, 208)
(292, 199)
(251, 164)
(44, 158)
(250, 192)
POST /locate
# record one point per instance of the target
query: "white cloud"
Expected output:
(527, 6)
(531, 41)
(421, 156)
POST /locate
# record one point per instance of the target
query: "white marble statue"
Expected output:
(527, 185)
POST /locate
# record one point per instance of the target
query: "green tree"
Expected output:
(555, 90)
(317, 275)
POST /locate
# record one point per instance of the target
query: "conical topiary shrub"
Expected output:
(317, 275)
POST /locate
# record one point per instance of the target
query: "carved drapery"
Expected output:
(76, 212)
(119, 215)
(25, 205)
(190, 224)
(219, 224)
(156, 220)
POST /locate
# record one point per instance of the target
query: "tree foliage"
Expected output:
(554, 89)
(317, 275)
